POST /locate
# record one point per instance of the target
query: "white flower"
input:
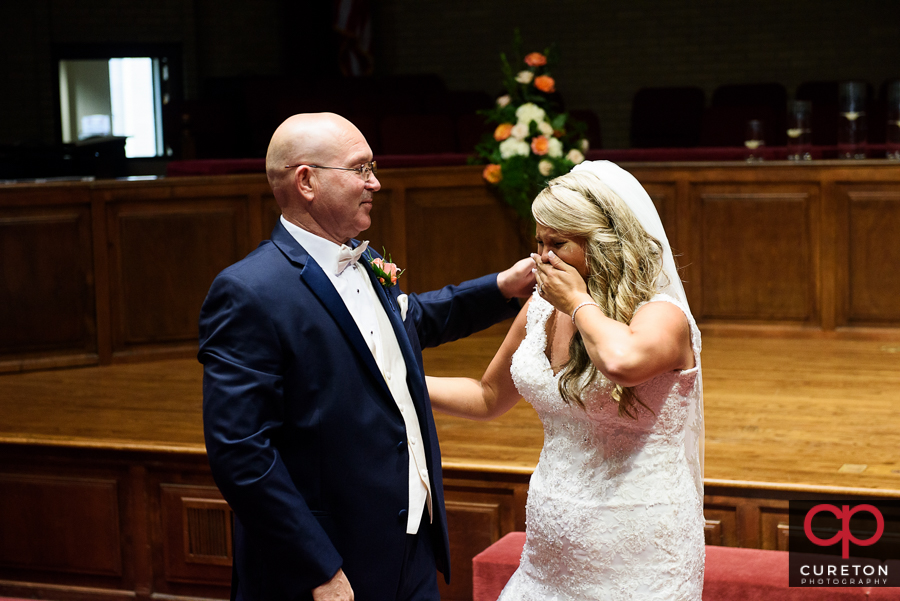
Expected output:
(529, 112)
(585, 145)
(524, 76)
(545, 167)
(575, 156)
(555, 148)
(511, 147)
(545, 128)
(503, 100)
(519, 131)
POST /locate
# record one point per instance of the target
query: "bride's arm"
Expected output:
(657, 340)
(494, 394)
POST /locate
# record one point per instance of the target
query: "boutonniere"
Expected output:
(387, 272)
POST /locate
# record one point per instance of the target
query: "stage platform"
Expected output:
(105, 491)
(780, 412)
(783, 413)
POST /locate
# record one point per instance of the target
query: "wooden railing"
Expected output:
(113, 271)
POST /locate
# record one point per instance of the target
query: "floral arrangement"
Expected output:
(387, 272)
(533, 141)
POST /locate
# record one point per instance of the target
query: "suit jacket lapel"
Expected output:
(314, 277)
(413, 375)
(415, 380)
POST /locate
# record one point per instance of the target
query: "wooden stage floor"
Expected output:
(793, 414)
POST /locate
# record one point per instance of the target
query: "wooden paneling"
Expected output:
(479, 512)
(191, 530)
(868, 234)
(758, 249)
(473, 527)
(60, 524)
(741, 521)
(782, 416)
(721, 523)
(197, 534)
(455, 234)
(270, 214)
(774, 527)
(712, 532)
(664, 199)
(757, 519)
(165, 255)
(384, 231)
(46, 280)
(117, 270)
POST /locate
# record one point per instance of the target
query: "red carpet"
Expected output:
(732, 574)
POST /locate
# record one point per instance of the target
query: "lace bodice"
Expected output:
(615, 504)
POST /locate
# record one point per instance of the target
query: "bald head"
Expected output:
(316, 138)
(331, 200)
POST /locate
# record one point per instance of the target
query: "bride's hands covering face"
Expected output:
(558, 282)
(560, 268)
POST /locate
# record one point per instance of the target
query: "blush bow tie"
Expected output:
(348, 256)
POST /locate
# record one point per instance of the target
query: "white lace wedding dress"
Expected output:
(615, 504)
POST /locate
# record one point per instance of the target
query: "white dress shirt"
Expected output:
(355, 288)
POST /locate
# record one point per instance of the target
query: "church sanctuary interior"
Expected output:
(110, 236)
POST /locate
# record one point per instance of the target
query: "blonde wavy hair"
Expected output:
(623, 263)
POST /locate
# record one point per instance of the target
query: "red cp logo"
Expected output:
(844, 514)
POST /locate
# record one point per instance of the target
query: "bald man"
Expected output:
(317, 420)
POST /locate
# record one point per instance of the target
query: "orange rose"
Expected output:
(535, 59)
(502, 132)
(387, 273)
(391, 270)
(545, 83)
(492, 173)
(540, 145)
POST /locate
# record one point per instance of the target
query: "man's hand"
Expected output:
(518, 280)
(336, 589)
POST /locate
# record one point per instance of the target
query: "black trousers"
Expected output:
(418, 578)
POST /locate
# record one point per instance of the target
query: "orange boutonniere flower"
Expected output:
(545, 83)
(492, 173)
(387, 273)
(503, 131)
(535, 59)
(540, 145)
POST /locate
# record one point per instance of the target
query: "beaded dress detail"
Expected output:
(614, 506)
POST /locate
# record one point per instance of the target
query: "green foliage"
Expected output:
(565, 142)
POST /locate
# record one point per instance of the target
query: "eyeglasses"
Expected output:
(364, 170)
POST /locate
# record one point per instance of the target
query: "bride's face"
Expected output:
(567, 247)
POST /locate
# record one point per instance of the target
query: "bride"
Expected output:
(608, 353)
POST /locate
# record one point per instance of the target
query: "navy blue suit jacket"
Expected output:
(304, 439)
